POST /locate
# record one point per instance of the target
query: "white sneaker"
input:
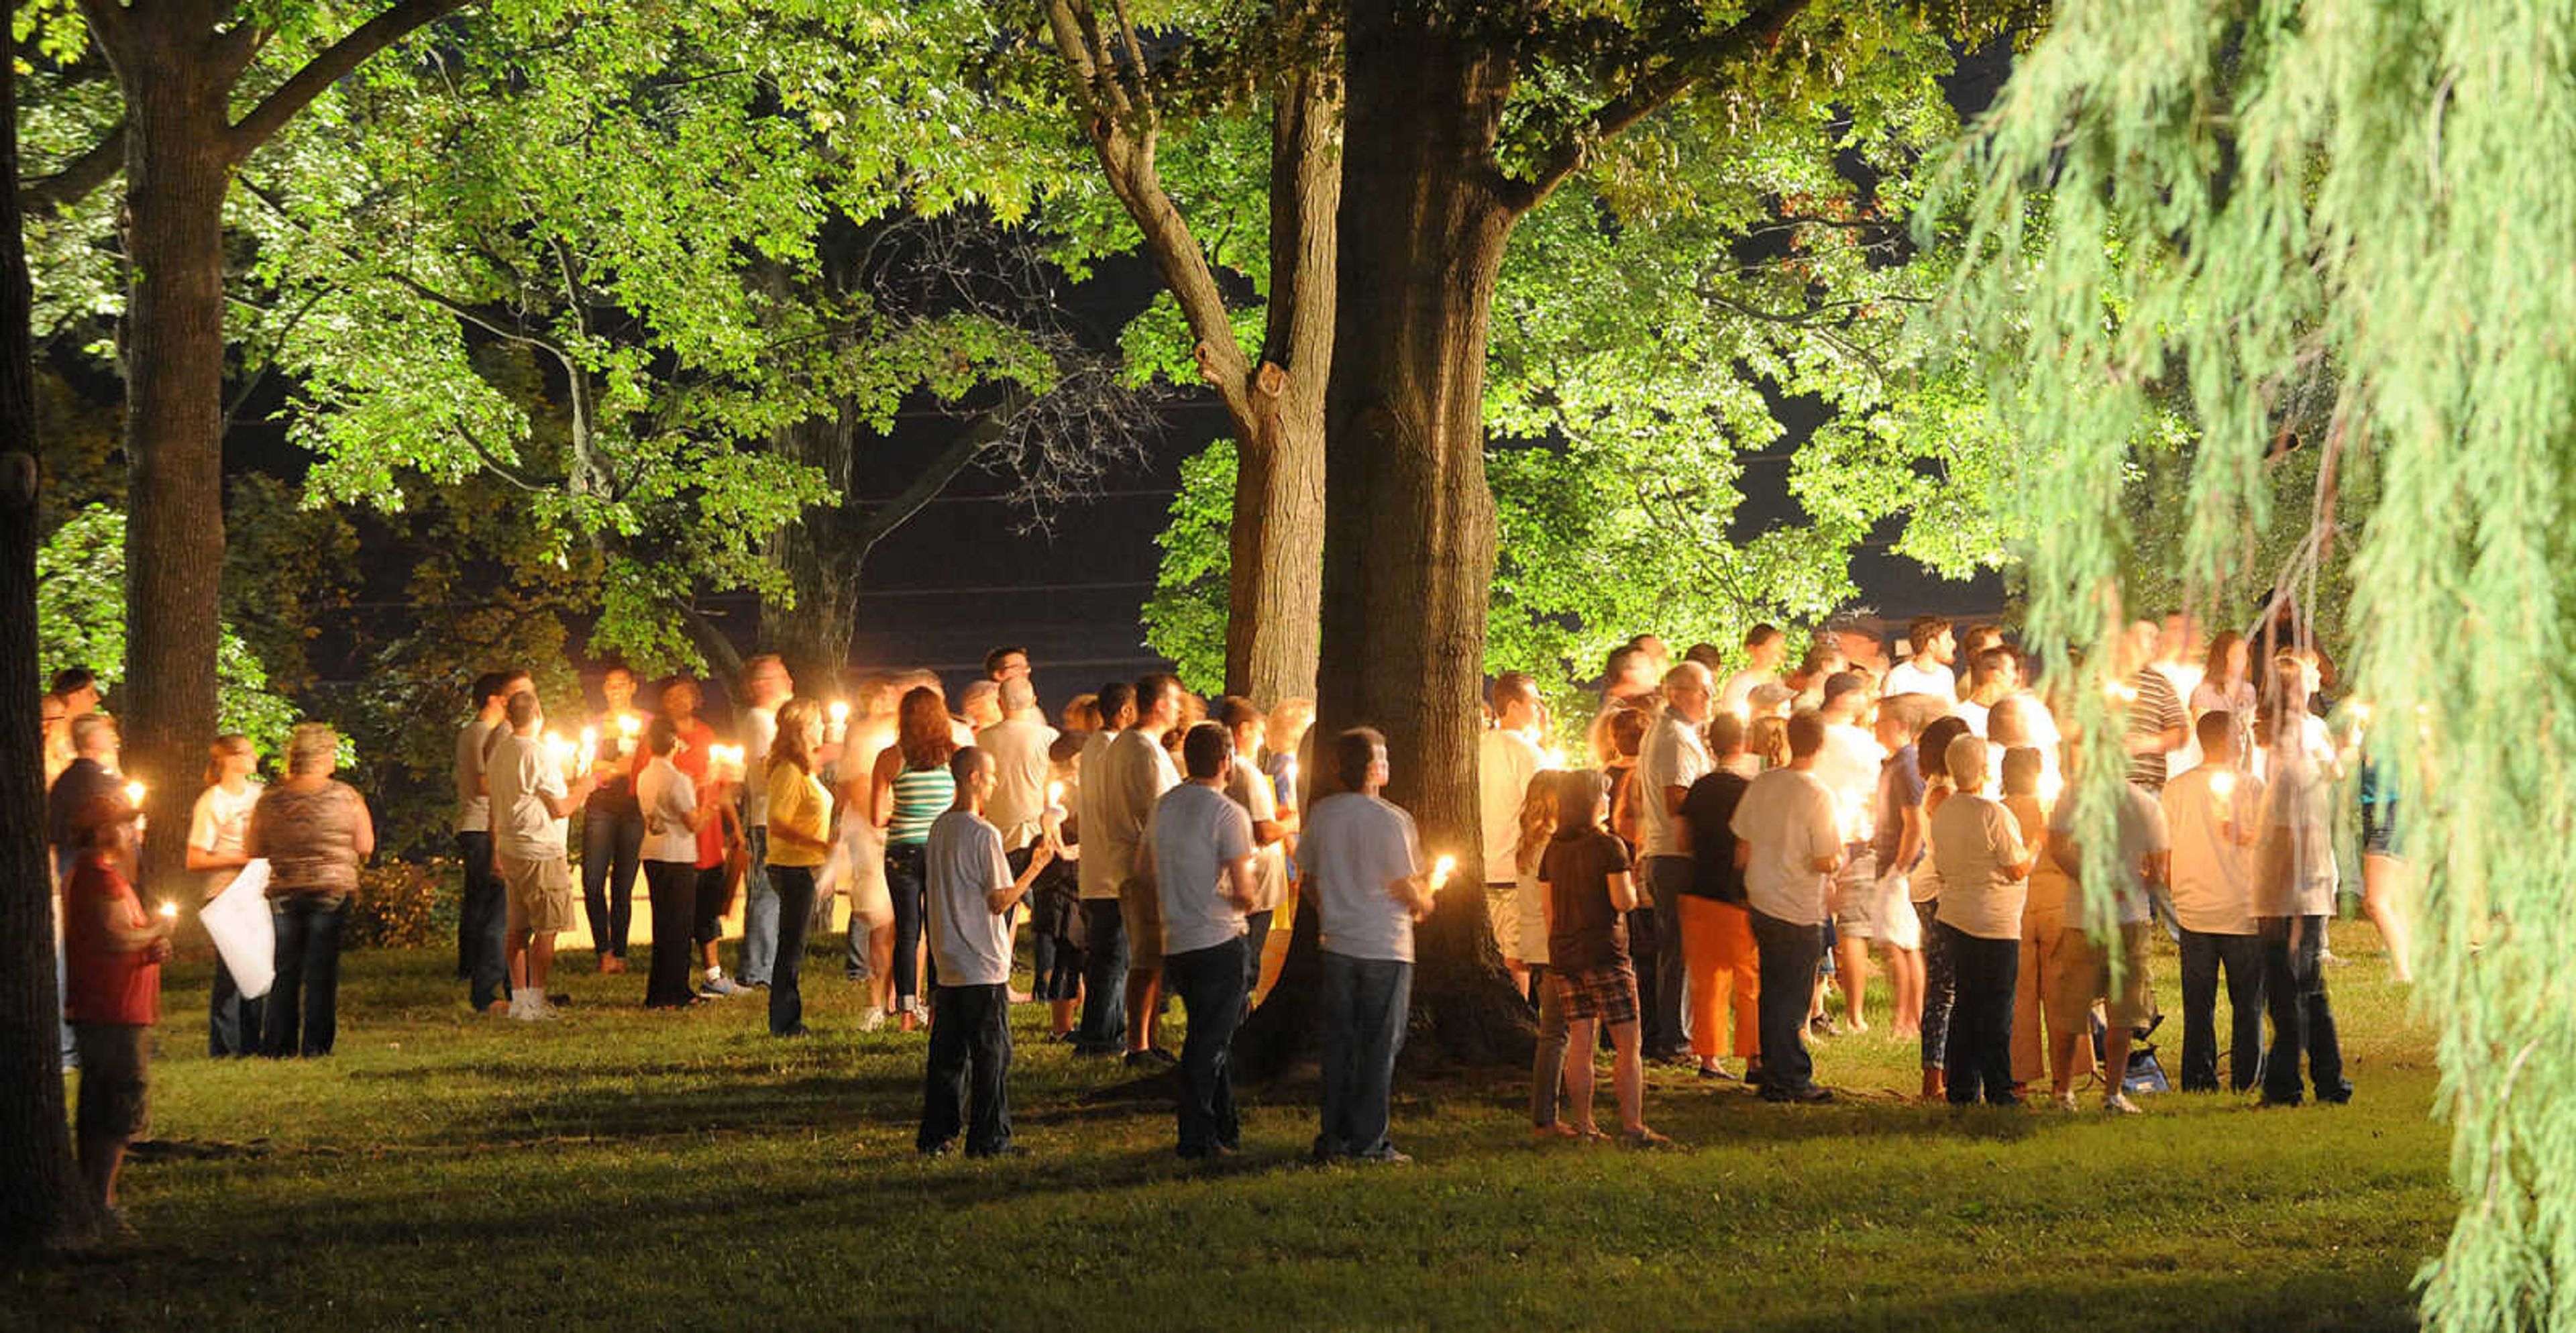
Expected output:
(2066, 1101)
(720, 984)
(2117, 1102)
(872, 1019)
(528, 1005)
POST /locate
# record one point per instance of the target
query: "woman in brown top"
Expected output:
(1589, 886)
(314, 833)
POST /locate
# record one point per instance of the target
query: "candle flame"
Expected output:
(134, 793)
(169, 908)
(840, 711)
(2222, 785)
(628, 725)
(1055, 793)
(1441, 870)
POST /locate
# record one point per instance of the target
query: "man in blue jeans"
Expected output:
(1362, 862)
(1202, 845)
(1789, 842)
(482, 948)
(2214, 814)
(766, 685)
(1104, 957)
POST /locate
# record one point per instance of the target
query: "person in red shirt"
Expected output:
(112, 956)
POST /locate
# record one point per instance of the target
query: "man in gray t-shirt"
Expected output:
(1363, 865)
(1202, 846)
(971, 893)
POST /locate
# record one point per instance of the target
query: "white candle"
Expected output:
(1441, 870)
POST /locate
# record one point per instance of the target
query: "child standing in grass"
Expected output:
(112, 956)
(1588, 888)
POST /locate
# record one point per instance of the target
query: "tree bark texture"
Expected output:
(177, 169)
(1275, 407)
(41, 1202)
(1409, 523)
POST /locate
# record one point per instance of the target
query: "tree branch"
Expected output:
(1759, 28)
(78, 177)
(724, 661)
(332, 65)
(979, 435)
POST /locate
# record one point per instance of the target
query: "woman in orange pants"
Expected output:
(1716, 931)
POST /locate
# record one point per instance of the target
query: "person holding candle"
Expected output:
(1534, 829)
(482, 949)
(2140, 860)
(867, 953)
(673, 817)
(612, 824)
(1362, 861)
(1105, 946)
(315, 833)
(217, 829)
(766, 685)
(969, 896)
(1202, 845)
(1984, 866)
(1134, 773)
(532, 804)
(717, 836)
(800, 827)
(1506, 759)
(1790, 837)
(2213, 814)
(2294, 885)
(113, 951)
(1247, 787)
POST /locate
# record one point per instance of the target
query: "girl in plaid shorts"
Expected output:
(1589, 887)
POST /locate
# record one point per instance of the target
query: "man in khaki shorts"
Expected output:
(2145, 846)
(1135, 771)
(531, 806)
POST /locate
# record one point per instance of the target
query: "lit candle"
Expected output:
(1441, 870)
(589, 747)
(2222, 785)
(2051, 786)
(169, 910)
(839, 712)
(1055, 795)
(1551, 760)
(629, 727)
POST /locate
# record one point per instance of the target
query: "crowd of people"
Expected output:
(1749, 840)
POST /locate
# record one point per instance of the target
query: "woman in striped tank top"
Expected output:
(908, 790)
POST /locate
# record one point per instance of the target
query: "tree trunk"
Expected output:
(41, 1201)
(1409, 523)
(176, 173)
(821, 560)
(1275, 588)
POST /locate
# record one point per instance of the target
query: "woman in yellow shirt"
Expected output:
(800, 839)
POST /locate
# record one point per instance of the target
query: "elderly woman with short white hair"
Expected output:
(315, 832)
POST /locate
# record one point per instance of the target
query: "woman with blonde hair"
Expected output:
(800, 840)
(1547, 1069)
(314, 832)
(216, 830)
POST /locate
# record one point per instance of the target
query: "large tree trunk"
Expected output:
(40, 1198)
(815, 632)
(176, 173)
(1275, 587)
(1409, 523)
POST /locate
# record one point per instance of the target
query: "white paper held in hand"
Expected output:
(245, 931)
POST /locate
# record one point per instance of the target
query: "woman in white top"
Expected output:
(673, 815)
(215, 831)
(1984, 868)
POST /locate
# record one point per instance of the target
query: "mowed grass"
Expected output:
(633, 1170)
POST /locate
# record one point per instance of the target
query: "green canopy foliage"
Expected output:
(2251, 206)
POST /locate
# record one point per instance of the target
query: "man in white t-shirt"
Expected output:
(482, 946)
(1202, 845)
(1506, 760)
(1673, 757)
(2215, 816)
(1790, 841)
(970, 894)
(1993, 676)
(1134, 773)
(1247, 786)
(1103, 1030)
(1927, 671)
(765, 686)
(530, 806)
(1018, 744)
(1849, 765)
(1362, 861)
(1765, 647)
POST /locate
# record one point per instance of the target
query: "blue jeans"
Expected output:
(1667, 879)
(1365, 1002)
(1104, 980)
(232, 1019)
(1940, 986)
(1256, 939)
(2294, 989)
(482, 923)
(760, 913)
(1209, 983)
(904, 871)
(1790, 951)
(968, 1081)
(612, 845)
(794, 905)
(1980, 1039)
(2202, 958)
(308, 979)
(1547, 1065)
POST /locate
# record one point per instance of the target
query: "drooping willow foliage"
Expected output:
(2242, 199)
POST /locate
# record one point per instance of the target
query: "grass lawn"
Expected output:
(633, 1170)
